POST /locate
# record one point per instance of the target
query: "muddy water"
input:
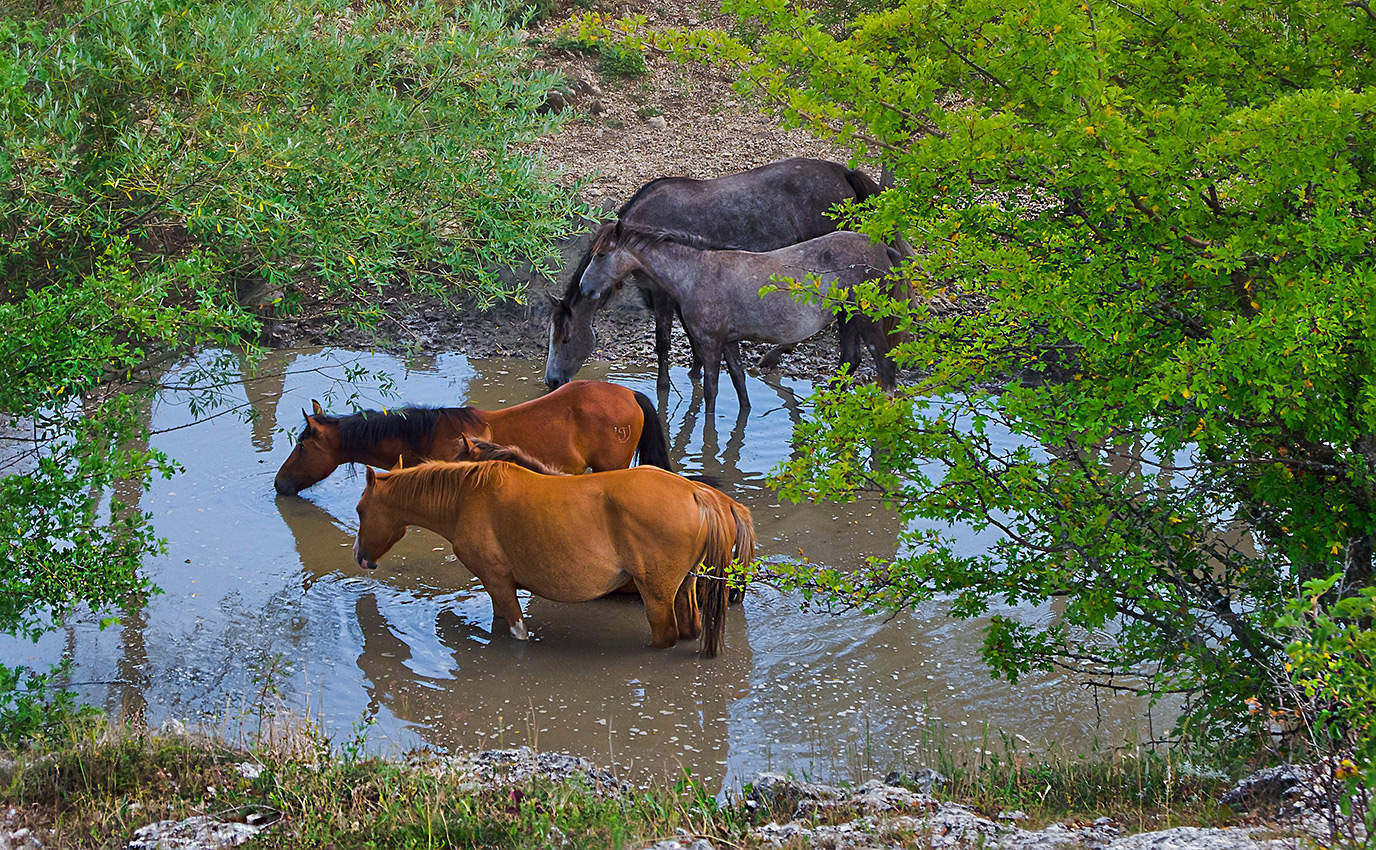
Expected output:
(261, 603)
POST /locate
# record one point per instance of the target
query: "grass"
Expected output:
(97, 783)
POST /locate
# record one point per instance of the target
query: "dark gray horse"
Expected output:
(778, 204)
(718, 292)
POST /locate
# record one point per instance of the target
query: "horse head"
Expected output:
(315, 456)
(379, 527)
(571, 338)
(609, 261)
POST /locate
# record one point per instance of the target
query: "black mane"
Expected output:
(653, 235)
(414, 425)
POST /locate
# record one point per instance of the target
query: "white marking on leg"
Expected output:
(518, 630)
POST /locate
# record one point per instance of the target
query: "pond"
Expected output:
(262, 606)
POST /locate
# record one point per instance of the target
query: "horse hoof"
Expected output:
(518, 630)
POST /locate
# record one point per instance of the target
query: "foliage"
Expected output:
(33, 709)
(621, 52)
(1155, 217)
(1331, 659)
(160, 161)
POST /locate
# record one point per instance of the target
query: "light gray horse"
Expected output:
(718, 293)
(782, 203)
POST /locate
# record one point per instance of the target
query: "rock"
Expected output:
(19, 839)
(520, 765)
(675, 844)
(554, 102)
(1270, 787)
(1014, 815)
(171, 728)
(657, 122)
(202, 832)
(874, 797)
(781, 794)
(924, 780)
(249, 769)
(595, 106)
(1197, 838)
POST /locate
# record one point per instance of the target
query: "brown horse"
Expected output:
(583, 425)
(476, 450)
(571, 538)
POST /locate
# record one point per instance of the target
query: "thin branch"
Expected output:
(968, 61)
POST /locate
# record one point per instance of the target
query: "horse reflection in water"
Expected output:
(571, 538)
(424, 630)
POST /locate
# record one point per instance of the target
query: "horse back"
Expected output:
(581, 425)
(597, 525)
(761, 209)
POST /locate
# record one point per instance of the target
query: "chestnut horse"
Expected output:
(583, 425)
(571, 538)
(476, 450)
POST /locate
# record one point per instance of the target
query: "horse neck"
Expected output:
(422, 512)
(669, 264)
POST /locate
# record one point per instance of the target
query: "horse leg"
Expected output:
(695, 370)
(502, 590)
(659, 610)
(711, 371)
(733, 368)
(686, 609)
(878, 343)
(664, 311)
(850, 345)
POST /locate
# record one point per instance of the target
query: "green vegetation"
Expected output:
(96, 785)
(1164, 213)
(621, 54)
(160, 159)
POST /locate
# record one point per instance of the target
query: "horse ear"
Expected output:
(315, 406)
(467, 446)
(401, 463)
(371, 476)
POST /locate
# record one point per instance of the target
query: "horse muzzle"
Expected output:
(362, 561)
(285, 487)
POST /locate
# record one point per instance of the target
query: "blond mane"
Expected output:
(440, 484)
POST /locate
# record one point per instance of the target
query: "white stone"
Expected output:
(199, 833)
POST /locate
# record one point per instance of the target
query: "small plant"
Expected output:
(648, 111)
(523, 13)
(621, 60)
(1331, 664)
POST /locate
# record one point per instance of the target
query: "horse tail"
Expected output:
(864, 187)
(898, 249)
(744, 549)
(716, 556)
(653, 447)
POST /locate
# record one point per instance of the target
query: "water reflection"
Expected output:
(260, 587)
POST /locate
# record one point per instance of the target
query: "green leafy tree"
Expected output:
(158, 159)
(1156, 219)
